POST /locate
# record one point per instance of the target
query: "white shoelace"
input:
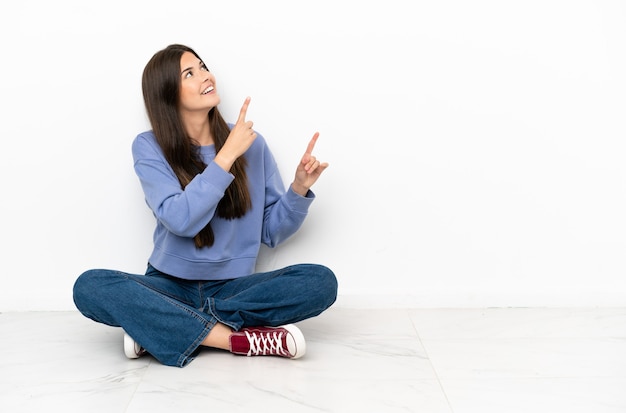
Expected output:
(266, 343)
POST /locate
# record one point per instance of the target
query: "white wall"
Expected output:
(476, 148)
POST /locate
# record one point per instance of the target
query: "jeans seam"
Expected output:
(213, 312)
(185, 356)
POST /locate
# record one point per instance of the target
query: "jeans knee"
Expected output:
(327, 283)
(89, 287)
(82, 287)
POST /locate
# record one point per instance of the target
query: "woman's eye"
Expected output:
(188, 74)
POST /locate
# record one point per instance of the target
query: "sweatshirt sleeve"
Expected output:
(285, 211)
(182, 212)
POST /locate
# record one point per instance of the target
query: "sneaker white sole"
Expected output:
(298, 347)
(132, 350)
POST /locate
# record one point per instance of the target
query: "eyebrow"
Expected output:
(200, 64)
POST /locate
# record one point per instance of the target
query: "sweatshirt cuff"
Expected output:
(216, 176)
(298, 202)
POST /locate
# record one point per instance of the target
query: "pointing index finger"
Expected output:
(309, 149)
(244, 110)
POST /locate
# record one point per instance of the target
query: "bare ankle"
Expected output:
(218, 337)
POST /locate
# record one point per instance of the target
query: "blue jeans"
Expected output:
(170, 316)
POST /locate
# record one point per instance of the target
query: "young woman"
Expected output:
(216, 193)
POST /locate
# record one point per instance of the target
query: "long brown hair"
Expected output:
(161, 93)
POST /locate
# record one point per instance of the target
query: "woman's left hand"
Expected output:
(308, 170)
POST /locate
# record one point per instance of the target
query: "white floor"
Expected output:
(454, 361)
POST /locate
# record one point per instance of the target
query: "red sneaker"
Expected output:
(284, 341)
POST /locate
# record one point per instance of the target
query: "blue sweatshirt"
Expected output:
(275, 215)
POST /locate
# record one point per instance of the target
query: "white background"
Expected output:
(476, 148)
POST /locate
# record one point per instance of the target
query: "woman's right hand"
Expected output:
(239, 140)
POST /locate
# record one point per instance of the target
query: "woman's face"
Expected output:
(197, 85)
